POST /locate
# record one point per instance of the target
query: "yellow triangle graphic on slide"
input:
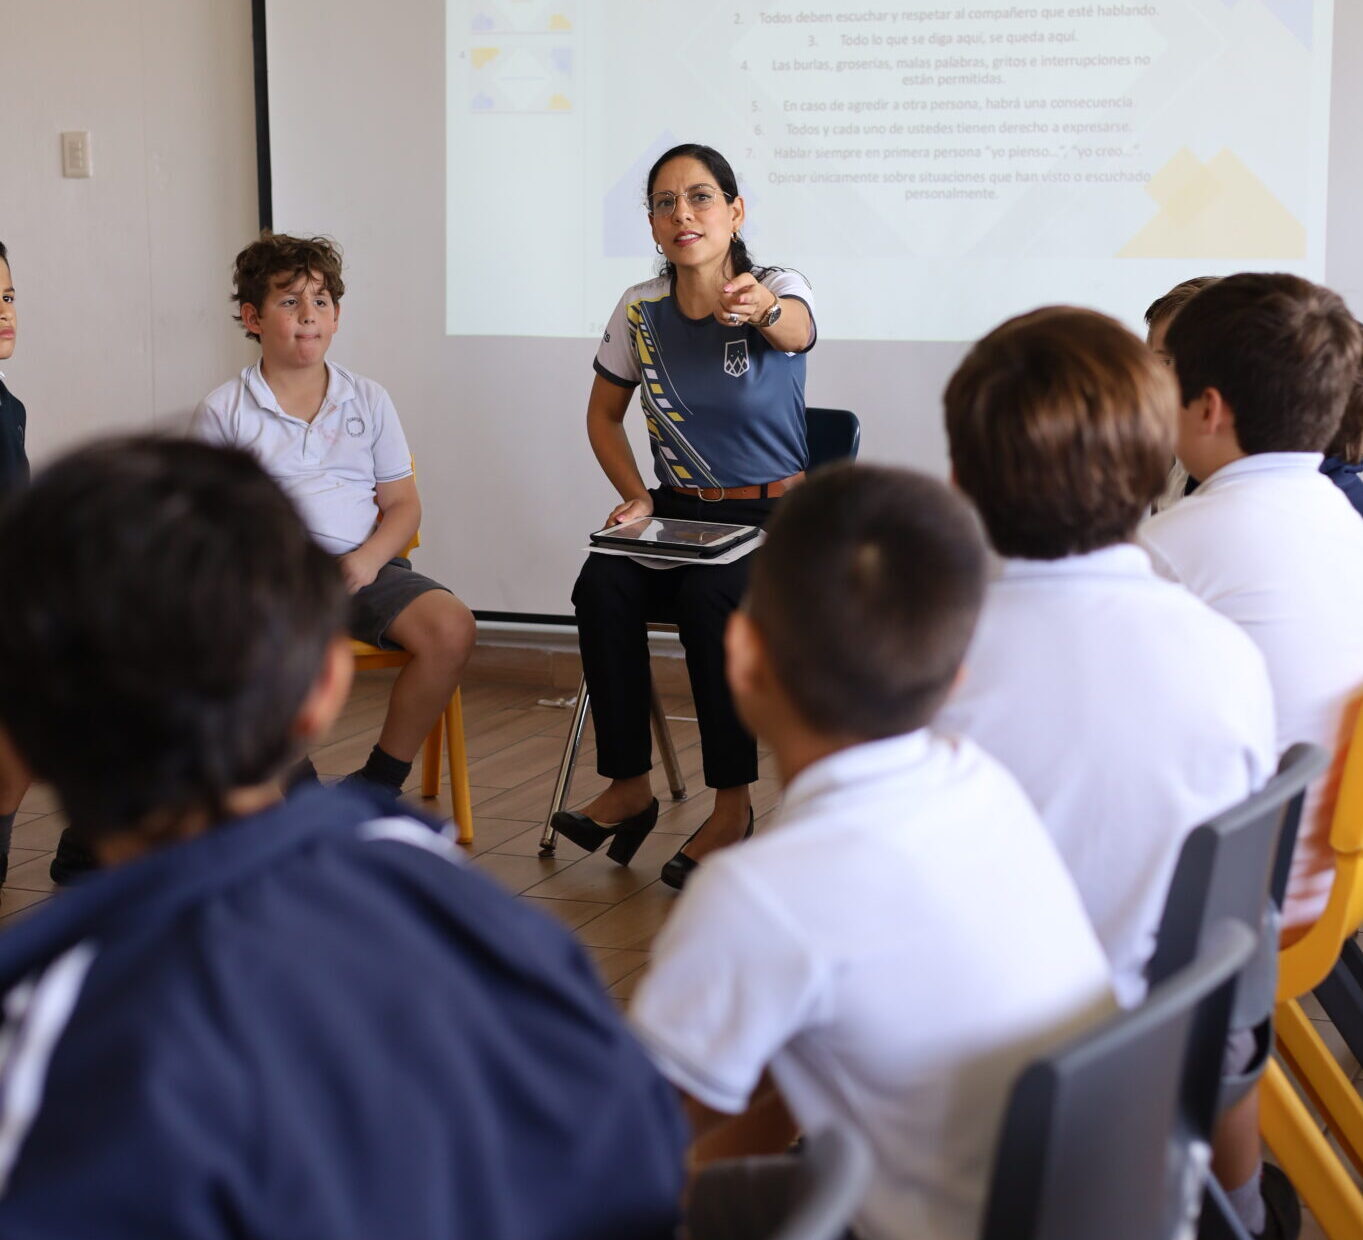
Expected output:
(1219, 209)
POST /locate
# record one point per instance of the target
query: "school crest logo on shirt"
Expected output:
(735, 358)
(354, 425)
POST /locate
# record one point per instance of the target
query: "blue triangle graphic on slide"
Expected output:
(624, 226)
(1296, 15)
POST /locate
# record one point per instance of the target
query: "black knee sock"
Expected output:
(385, 770)
(6, 831)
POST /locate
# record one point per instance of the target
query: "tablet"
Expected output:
(700, 540)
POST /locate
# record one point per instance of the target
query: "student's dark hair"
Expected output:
(4, 253)
(276, 256)
(166, 614)
(725, 182)
(866, 594)
(1347, 445)
(1283, 352)
(1061, 428)
(1176, 298)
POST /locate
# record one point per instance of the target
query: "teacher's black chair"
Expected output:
(831, 435)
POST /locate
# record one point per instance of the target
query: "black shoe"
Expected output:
(75, 859)
(625, 836)
(1282, 1207)
(678, 869)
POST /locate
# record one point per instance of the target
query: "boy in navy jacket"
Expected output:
(269, 1018)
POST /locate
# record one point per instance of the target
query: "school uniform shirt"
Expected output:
(1130, 713)
(330, 466)
(895, 950)
(314, 1023)
(13, 456)
(723, 406)
(1272, 544)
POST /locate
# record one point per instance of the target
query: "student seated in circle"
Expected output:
(716, 347)
(904, 938)
(267, 1017)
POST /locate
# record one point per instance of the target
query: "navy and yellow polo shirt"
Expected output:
(724, 408)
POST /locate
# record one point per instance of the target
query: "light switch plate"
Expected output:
(76, 154)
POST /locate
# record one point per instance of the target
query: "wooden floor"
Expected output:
(514, 749)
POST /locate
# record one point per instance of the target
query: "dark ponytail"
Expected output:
(725, 181)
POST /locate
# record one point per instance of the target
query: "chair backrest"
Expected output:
(1236, 866)
(836, 1166)
(1109, 1136)
(1308, 961)
(832, 435)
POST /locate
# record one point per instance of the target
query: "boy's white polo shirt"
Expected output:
(1271, 543)
(330, 466)
(1130, 713)
(895, 949)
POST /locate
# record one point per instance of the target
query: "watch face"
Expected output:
(772, 315)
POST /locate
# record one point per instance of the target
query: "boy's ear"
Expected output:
(1215, 416)
(250, 317)
(745, 656)
(328, 694)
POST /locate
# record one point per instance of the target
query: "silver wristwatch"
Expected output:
(773, 315)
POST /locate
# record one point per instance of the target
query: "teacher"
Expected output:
(716, 347)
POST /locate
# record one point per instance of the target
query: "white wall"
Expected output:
(123, 279)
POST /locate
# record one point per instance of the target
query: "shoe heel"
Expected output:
(630, 834)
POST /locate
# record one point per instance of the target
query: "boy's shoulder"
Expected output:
(918, 794)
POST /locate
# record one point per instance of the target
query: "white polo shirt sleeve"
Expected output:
(732, 981)
(210, 425)
(392, 456)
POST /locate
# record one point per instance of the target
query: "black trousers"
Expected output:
(616, 598)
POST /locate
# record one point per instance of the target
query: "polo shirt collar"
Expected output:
(858, 765)
(339, 389)
(1263, 463)
(1120, 560)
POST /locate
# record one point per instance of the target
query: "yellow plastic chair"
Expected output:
(1287, 1126)
(451, 725)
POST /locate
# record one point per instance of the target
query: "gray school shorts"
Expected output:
(375, 607)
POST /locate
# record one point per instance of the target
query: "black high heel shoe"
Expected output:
(625, 836)
(678, 869)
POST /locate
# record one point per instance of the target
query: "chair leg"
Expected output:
(675, 782)
(457, 750)
(1325, 1186)
(1329, 1088)
(1341, 995)
(430, 760)
(563, 785)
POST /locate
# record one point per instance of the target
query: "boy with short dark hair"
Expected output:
(852, 954)
(269, 1017)
(1266, 364)
(333, 441)
(1127, 709)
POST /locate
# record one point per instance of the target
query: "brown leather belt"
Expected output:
(760, 490)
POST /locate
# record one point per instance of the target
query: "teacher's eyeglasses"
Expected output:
(699, 198)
